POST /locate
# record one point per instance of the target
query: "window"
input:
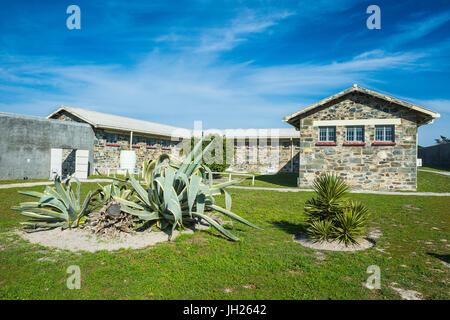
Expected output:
(327, 134)
(355, 134)
(384, 133)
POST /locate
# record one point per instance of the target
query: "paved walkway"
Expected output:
(438, 172)
(447, 194)
(44, 183)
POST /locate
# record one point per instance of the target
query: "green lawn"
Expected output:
(280, 180)
(21, 181)
(265, 264)
(432, 182)
(426, 181)
(435, 168)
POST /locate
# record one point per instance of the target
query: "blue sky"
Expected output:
(231, 64)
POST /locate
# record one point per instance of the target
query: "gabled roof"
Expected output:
(427, 114)
(112, 122)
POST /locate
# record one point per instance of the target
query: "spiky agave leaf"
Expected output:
(58, 206)
(177, 194)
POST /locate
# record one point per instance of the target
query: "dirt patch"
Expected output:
(198, 239)
(411, 207)
(84, 240)
(307, 242)
(407, 294)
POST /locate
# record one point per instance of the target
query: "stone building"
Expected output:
(367, 138)
(256, 150)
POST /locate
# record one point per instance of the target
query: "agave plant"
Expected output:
(109, 191)
(178, 194)
(58, 206)
(331, 216)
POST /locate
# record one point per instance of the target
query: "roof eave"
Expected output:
(291, 119)
(69, 110)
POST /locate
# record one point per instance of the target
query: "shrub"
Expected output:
(215, 167)
(351, 224)
(58, 206)
(330, 216)
(320, 230)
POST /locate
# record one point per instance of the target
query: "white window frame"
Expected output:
(327, 134)
(383, 139)
(354, 129)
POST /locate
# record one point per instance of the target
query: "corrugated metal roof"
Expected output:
(112, 122)
(282, 133)
(120, 123)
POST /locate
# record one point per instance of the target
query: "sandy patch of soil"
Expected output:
(84, 240)
(406, 294)
(305, 241)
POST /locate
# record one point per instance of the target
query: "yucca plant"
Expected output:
(175, 195)
(351, 223)
(330, 216)
(330, 192)
(320, 230)
(58, 206)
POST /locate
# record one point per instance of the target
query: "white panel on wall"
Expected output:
(55, 162)
(81, 164)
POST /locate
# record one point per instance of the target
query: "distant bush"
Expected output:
(215, 167)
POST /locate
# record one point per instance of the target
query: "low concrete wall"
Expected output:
(438, 155)
(26, 142)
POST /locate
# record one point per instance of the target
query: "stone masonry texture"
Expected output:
(368, 167)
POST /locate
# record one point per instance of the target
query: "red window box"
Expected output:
(325, 143)
(113, 145)
(165, 148)
(360, 143)
(135, 146)
(151, 147)
(383, 143)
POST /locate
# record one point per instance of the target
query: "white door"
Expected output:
(55, 162)
(81, 164)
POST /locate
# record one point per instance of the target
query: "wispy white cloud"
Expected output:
(161, 86)
(227, 37)
(418, 29)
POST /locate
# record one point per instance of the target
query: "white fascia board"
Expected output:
(360, 122)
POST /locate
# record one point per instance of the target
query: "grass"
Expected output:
(426, 181)
(21, 181)
(432, 182)
(280, 180)
(435, 168)
(266, 264)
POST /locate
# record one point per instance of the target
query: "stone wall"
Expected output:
(248, 158)
(68, 162)
(267, 159)
(367, 167)
(108, 145)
